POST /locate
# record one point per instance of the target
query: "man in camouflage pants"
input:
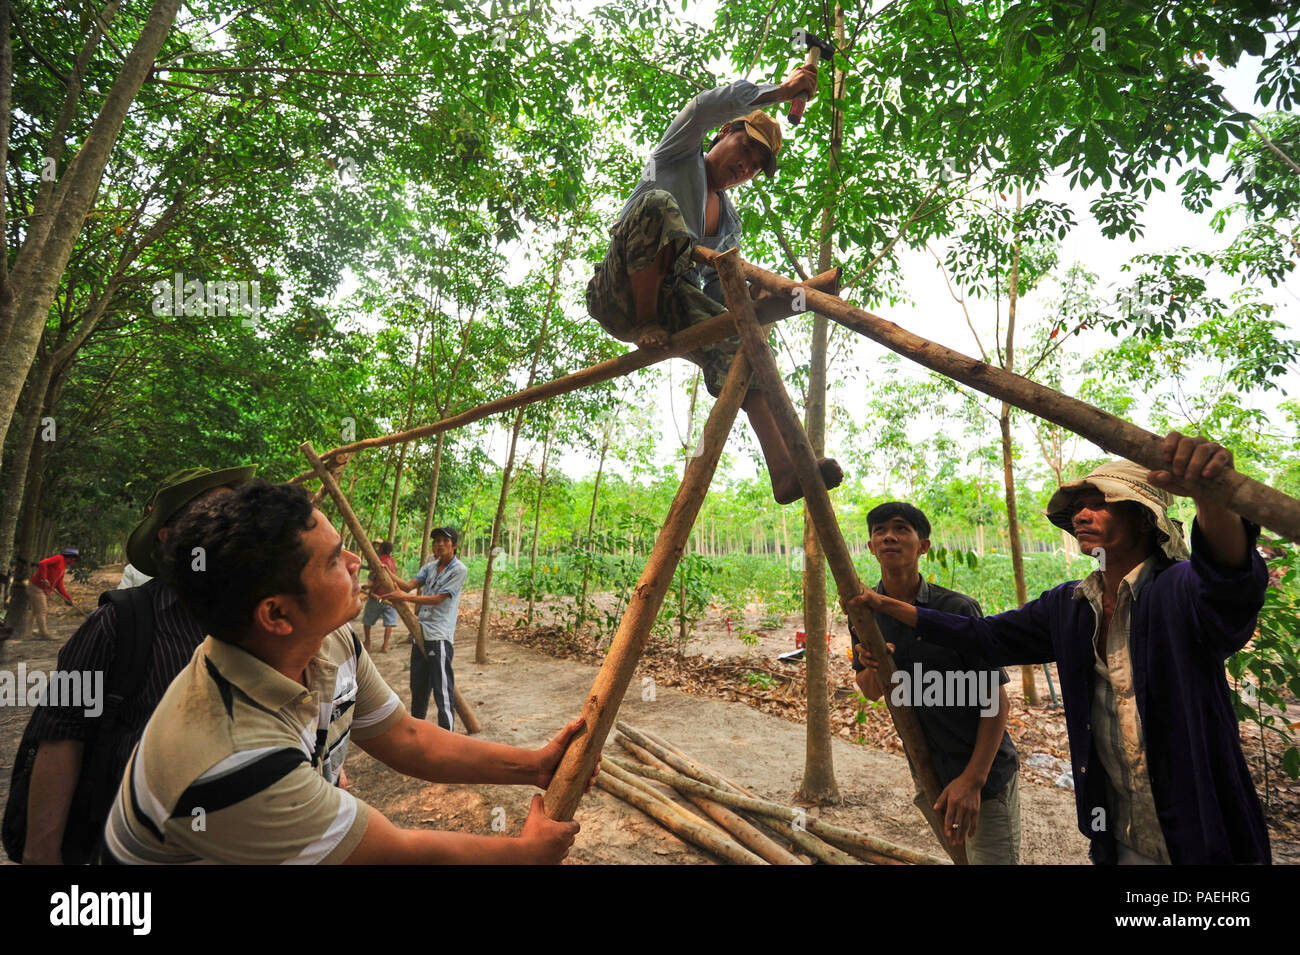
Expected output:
(649, 287)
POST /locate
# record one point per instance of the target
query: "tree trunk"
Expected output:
(379, 495)
(406, 423)
(50, 239)
(480, 651)
(1008, 473)
(537, 521)
(818, 784)
(29, 551)
(433, 500)
(31, 407)
(591, 525)
(468, 534)
(681, 583)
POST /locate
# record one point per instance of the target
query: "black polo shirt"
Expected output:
(949, 730)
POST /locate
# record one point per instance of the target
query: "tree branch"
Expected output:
(984, 356)
(889, 246)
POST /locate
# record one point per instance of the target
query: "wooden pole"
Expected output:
(331, 486)
(601, 709)
(818, 503)
(773, 810)
(697, 336)
(679, 762)
(1245, 496)
(732, 822)
(688, 831)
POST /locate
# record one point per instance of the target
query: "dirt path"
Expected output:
(523, 698)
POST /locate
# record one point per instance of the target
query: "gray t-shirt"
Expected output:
(439, 620)
(677, 166)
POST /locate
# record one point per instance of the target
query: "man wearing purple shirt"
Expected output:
(1159, 775)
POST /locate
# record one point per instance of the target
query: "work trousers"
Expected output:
(39, 608)
(997, 834)
(431, 674)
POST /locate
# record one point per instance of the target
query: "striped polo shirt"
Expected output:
(239, 763)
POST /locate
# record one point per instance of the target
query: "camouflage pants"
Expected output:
(655, 221)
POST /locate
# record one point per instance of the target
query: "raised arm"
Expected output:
(1006, 639)
(1191, 461)
(710, 109)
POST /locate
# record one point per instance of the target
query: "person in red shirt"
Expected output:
(47, 579)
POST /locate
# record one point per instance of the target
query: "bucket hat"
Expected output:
(175, 491)
(1123, 481)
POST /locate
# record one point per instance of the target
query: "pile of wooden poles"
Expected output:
(735, 826)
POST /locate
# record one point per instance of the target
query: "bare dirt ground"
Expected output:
(750, 732)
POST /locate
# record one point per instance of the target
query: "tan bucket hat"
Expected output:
(1124, 481)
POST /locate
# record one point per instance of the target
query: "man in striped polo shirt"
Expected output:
(241, 759)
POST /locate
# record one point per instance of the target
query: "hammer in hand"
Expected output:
(817, 48)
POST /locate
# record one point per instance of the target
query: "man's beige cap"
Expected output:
(765, 131)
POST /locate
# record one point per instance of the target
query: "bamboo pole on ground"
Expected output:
(680, 762)
(818, 503)
(697, 336)
(643, 785)
(866, 843)
(385, 579)
(692, 832)
(601, 709)
(1245, 496)
(732, 822)
(676, 759)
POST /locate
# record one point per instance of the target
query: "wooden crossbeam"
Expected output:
(697, 336)
(601, 709)
(818, 502)
(1234, 490)
(385, 579)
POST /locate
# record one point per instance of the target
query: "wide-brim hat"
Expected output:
(175, 491)
(765, 131)
(1123, 481)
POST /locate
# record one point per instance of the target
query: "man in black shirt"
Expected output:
(63, 731)
(959, 698)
